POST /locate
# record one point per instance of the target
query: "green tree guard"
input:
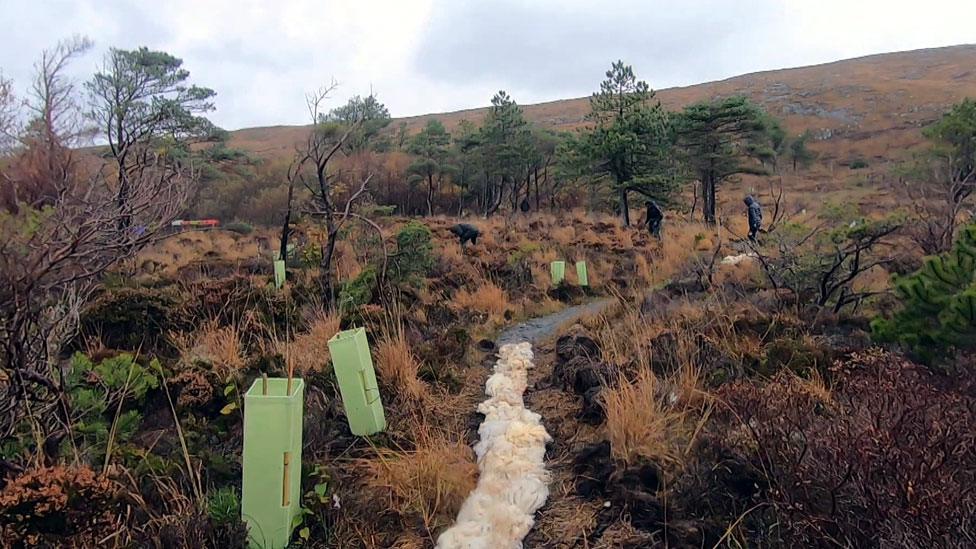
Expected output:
(558, 270)
(581, 273)
(353, 367)
(272, 462)
(938, 303)
(279, 273)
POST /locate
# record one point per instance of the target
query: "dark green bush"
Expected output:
(938, 303)
(358, 291)
(133, 318)
(414, 256)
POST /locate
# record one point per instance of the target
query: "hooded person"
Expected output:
(755, 216)
(655, 218)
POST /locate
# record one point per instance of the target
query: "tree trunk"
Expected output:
(285, 231)
(624, 207)
(537, 189)
(496, 201)
(708, 200)
(486, 204)
(430, 195)
(326, 271)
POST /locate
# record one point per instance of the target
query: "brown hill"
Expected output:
(869, 107)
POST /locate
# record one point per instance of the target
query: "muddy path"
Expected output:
(539, 329)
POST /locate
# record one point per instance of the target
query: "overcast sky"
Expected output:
(261, 56)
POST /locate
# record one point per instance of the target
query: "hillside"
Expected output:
(869, 107)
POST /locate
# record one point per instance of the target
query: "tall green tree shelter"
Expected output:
(630, 140)
(723, 138)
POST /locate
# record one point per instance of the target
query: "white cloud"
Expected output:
(262, 56)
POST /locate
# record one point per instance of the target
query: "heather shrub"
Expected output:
(58, 507)
(133, 318)
(887, 458)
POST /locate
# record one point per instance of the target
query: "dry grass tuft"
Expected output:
(219, 346)
(563, 235)
(815, 386)
(309, 352)
(428, 483)
(487, 298)
(398, 367)
(637, 420)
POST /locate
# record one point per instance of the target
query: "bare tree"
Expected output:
(54, 99)
(325, 140)
(939, 201)
(8, 115)
(51, 258)
(54, 128)
(823, 266)
(50, 261)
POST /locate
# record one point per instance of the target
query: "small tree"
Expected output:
(502, 144)
(431, 145)
(799, 154)
(723, 138)
(631, 138)
(941, 182)
(55, 126)
(938, 303)
(823, 266)
(366, 116)
(326, 138)
(414, 257)
(148, 113)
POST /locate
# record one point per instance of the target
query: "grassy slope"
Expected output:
(867, 107)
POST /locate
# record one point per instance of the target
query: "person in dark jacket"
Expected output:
(755, 216)
(465, 233)
(655, 217)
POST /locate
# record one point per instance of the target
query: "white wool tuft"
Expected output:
(514, 482)
(736, 259)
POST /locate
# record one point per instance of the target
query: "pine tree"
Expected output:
(725, 137)
(938, 303)
(630, 140)
(432, 147)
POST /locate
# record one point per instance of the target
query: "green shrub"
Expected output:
(379, 210)
(859, 164)
(116, 373)
(358, 291)
(523, 252)
(938, 303)
(414, 256)
(839, 211)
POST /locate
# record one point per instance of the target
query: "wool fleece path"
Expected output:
(514, 482)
